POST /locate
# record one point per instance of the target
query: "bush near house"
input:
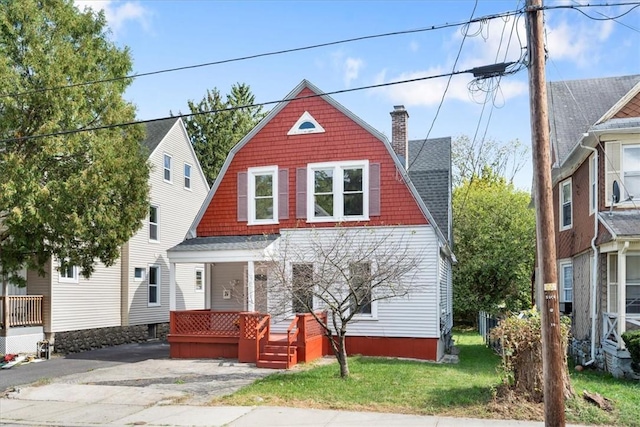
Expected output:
(632, 341)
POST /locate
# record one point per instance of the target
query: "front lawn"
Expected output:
(461, 390)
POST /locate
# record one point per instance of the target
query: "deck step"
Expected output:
(274, 356)
(272, 364)
(269, 348)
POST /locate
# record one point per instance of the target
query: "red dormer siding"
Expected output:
(342, 140)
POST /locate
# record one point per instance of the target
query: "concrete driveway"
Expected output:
(130, 369)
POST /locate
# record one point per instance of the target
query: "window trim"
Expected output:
(627, 285)
(166, 169)
(625, 195)
(338, 190)
(566, 182)
(157, 285)
(65, 279)
(201, 271)
(593, 187)
(562, 264)
(187, 177)
(251, 194)
(156, 223)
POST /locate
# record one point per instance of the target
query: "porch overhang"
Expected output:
(223, 249)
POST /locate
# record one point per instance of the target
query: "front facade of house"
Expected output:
(595, 132)
(129, 300)
(309, 173)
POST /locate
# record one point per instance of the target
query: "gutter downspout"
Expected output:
(594, 267)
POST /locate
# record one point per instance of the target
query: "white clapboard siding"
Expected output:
(89, 303)
(177, 207)
(446, 294)
(414, 315)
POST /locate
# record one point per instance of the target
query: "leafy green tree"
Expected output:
(213, 135)
(77, 196)
(494, 229)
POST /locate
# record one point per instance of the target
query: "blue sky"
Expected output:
(173, 33)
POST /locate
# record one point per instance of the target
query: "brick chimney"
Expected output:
(399, 138)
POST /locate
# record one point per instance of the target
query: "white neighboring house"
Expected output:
(130, 298)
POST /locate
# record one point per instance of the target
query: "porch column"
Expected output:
(172, 286)
(251, 286)
(622, 292)
(208, 284)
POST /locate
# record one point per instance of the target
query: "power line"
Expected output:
(446, 89)
(266, 54)
(240, 107)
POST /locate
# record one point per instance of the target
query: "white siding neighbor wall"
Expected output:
(87, 303)
(414, 315)
(177, 206)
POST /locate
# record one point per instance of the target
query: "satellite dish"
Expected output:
(616, 192)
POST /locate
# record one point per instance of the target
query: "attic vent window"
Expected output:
(306, 124)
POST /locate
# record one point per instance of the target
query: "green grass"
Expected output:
(465, 389)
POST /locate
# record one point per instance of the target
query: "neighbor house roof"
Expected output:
(156, 131)
(576, 105)
(430, 173)
(622, 224)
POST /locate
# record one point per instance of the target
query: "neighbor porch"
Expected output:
(21, 323)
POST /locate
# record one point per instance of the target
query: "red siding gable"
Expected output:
(632, 109)
(343, 139)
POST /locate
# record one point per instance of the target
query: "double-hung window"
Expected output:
(631, 171)
(302, 292)
(263, 191)
(187, 176)
(338, 191)
(566, 210)
(153, 223)
(360, 287)
(566, 281)
(167, 168)
(632, 288)
(153, 286)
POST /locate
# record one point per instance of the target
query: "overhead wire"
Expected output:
(465, 32)
(265, 54)
(240, 107)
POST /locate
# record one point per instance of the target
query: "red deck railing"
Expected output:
(23, 310)
(205, 322)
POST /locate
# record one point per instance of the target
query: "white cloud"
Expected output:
(118, 13)
(352, 69)
(578, 42)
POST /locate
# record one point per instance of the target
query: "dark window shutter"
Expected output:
(374, 189)
(283, 194)
(242, 196)
(301, 193)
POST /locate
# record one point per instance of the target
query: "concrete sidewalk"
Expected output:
(139, 385)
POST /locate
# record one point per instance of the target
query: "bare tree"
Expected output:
(470, 158)
(344, 271)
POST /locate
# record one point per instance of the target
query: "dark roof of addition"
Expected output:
(226, 243)
(576, 105)
(430, 173)
(622, 223)
(156, 131)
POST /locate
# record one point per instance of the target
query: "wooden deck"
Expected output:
(206, 334)
(20, 310)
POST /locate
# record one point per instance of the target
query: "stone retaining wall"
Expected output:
(91, 339)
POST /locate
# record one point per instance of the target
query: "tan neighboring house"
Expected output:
(595, 137)
(128, 301)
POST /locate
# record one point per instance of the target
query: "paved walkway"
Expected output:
(152, 390)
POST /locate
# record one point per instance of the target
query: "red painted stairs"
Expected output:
(274, 354)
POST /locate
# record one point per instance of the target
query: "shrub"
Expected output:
(632, 341)
(520, 338)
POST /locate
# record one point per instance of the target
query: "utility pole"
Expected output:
(552, 351)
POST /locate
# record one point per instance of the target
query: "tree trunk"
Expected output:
(342, 356)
